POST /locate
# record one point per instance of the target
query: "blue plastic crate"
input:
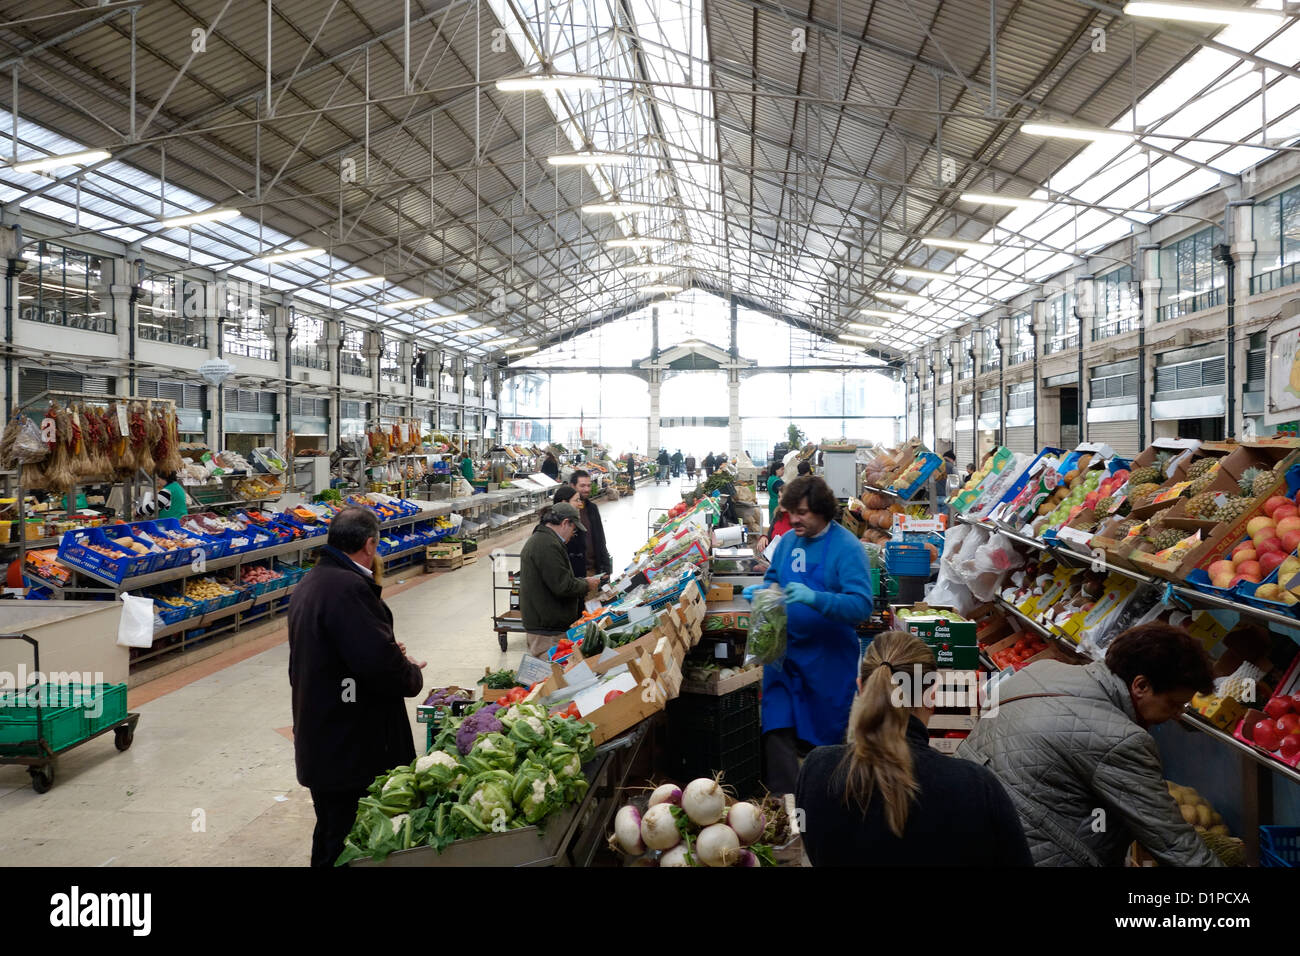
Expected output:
(911, 560)
(73, 551)
(1279, 846)
(1199, 579)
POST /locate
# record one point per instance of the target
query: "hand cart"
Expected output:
(650, 519)
(68, 727)
(506, 621)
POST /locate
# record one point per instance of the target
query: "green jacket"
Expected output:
(467, 469)
(550, 595)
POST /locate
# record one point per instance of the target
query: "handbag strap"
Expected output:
(1028, 697)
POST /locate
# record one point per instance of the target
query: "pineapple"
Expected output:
(1167, 538)
(1263, 483)
(1200, 484)
(1203, 467)
(1233, 509)
(1201, 506)
(1248, 479)
(1144, 476)
(1106, 505)
(1161, 464)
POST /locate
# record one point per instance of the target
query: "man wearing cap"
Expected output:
(550, 594)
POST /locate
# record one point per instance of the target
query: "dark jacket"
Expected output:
(690, 462)
(663, 460)
(601, 562)
(551, 468)
(958, 818)
(348, 679)
(576, 548)
(550, 594)
(709, 463)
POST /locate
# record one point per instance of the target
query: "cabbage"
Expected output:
(438, 770)
(485, 801)
(531, 732)
(492, 752)
(536, 791)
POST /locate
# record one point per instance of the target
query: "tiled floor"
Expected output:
(210, 778)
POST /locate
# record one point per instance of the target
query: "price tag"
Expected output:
(122, 425)
(406, 434)
(531, 670)
(638, 613)
(1220, 499)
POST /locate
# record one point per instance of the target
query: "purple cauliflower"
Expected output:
(482, 721)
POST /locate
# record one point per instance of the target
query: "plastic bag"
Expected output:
(949, 591)
(22, 443)
(767, 635)
(135, 629)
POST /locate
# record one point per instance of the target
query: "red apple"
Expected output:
(1265, 735)
(1251, 578)
(1287, 523)
(1284, 512)
(1244, 546)
(1288, 724)
(1274, 503)
(1257, 524)
(1270, 544)
(1250, 569)
(1295, 703)
(1291, 541)
(1220, 567)
(1290, 747)
(1270, 560)
(1277, 707)
(1244, 554)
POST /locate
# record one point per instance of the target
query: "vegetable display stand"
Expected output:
(33, 734)
(570, 838)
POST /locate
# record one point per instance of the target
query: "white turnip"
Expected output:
(627, 830)
(717, 845)
(747, 858)
(675, 857)
(704, 801)
(748, 822)
(659, 828)
(667, 793)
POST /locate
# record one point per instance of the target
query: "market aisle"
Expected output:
(210, 778)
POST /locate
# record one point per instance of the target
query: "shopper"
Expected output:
(467, 468)
(709, 465)
(349, 676)
(970, 472)
(631, 472)
(1071, 746)
(822, 570)
(550, 594)
(171, 498)
(690, 467)
(598, 558)
(804, 469)
(887, 798)
(576, 546)
(664, 463)
(774, 485)
(551, 467)
(677, 463)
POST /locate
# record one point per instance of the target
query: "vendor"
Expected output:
(467, 468)
(822, 569)
(171, 498)
(550, 594)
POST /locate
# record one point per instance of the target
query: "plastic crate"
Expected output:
(907, 559)
(710, 734)
(1279, 846)
(74, 551)
(59, 726)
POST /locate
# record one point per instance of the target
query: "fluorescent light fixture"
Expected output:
(1202, 13)
(660, 289)
(964, 245)
(865, 327)
(194, 219)
(353, 283)
(407, 303)
(925, 274)
(614, 208)
(881, 314)
(508, 340)
(521, 350)
(291, 255)
(905, 297)
(646, 269)
(642, 242)
(590, 157)
(454, 317)
(69, 159)
(857, 338)
(1062, 131)
(1016, 202)
(547, 83)
(481, 330)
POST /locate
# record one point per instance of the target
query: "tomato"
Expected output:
(612, 694)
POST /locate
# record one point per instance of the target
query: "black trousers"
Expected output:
(782, 751)
(336, 811)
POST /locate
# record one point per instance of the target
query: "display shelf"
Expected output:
(1190, 719)
(1045, 631)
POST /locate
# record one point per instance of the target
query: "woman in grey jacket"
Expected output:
(1071, 747)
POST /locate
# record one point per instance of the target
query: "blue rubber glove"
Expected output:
(749, 592)
(796, 593)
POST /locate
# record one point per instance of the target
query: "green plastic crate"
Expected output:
(66, 715)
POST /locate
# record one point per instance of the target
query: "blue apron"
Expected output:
(813, 688)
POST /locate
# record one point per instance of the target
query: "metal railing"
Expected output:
(1288, 274)
(1193, 303)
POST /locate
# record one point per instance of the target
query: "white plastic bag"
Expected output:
(948, 591)
(136, 626)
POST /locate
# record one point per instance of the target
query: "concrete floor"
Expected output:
(210, 778)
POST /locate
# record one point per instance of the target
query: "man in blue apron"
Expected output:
(822, 568)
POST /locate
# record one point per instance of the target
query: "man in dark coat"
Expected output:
(349, 677)
(708, 464)
(598, 559)
(550, 594)
(677, 463)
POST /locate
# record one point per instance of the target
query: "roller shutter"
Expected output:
(1121, 436)
(1021, 440)
(965, 450)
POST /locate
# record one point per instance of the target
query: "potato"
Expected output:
(1203, 815)
(1189, 813)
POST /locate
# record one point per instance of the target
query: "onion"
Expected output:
(668, 793)
(748, 822)
(659, 829)
(675, 857)
(747, 858)
(704, 801)
(627, 830)
(717, 845)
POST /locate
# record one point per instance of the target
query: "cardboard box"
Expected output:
(720, 592)
(733, 614)
(953, 642)
(648, 694)
(719, 688)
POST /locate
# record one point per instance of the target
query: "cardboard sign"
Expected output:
(531, 670)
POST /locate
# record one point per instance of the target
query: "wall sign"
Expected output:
(1282, 384)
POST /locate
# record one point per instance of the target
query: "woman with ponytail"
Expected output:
(886, 798)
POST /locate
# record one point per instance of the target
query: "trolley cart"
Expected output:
(650, 519)
(507, 620)
(67, 727)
